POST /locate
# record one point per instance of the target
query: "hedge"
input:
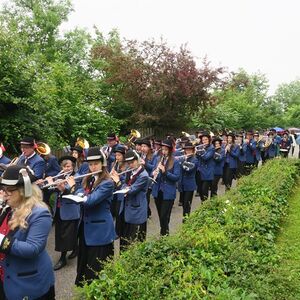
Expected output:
(223, 251)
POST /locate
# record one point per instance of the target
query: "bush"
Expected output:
(221, 252)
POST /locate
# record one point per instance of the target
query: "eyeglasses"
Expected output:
(9, 190)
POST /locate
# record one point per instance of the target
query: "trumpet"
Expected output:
(185, 156)
(57, 182)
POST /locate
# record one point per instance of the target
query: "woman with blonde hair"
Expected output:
(26, 266)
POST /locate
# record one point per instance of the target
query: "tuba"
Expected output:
(134, 134)
(43, 148)
(83, 143)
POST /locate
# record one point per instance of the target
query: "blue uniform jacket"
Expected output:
(4, 160)
(219, 159)
(232, 156)
(36, 163)
(251, 152)
(242, 152)
(52, 166)
(272, 150)
(187, 181)
(149, 165)
(206, 163)
(97, 220)
(167, 182)
(69, 210)
(136, 206)
(27, 267)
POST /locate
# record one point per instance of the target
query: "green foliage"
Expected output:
(223, 251)
(241, 104)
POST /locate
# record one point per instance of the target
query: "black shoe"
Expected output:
(180, 204)
(60, 264)
(73, 254)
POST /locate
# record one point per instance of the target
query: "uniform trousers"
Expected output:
(203, 186)
(90, 259)
(214, 185)
(164, 209)
(228, 176)
(187, 198)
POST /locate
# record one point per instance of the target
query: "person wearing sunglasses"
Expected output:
(26, 267)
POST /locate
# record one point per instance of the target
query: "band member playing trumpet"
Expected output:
(166, 174)
(219, 159)
(66, 216)
(205, 172)
(96, 229)
(187, 183)
(30, 158)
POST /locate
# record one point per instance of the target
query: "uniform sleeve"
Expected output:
(101, 193)
(175, 175)
(140, 184)
(39, 169)
(39, 227)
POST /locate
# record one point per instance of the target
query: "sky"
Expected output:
(256, 35)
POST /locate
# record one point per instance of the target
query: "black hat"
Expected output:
(138, 142)
(146, 142)
(205, 133)
(119, 148)
(131, 155)
(18, 175)
(217, 139)
(240, 134)
(256, 133)
(188, 145)
(29, 141)
(111, 137)
(184, 139)
(67, 157)
(250, 132)
(167, 143)
(157, 142)
(77, 148)
(95, 153)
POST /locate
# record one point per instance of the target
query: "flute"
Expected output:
(75, 178)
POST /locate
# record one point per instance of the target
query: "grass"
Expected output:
(284, 281)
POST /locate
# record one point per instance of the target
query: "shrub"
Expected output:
(221, 252)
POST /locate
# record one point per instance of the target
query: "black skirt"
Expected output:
(90, 259)
(66, 233)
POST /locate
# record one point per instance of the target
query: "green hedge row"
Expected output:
(223, 251)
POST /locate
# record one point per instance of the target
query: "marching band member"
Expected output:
(271, 145)
(219, 159)
(231, 156)
(112, 142)
(205, 166)
(52, 169)
(81, 167)
(3, 159)
(66, 216)
(134, 210)
(239, 141)
(187, 183)
(285, 145)
(96, 229)
(166, 174)
(118, 166)
(147, 160)
(157, 149)
(257, 151)
(30, 158)
(28, 272)
(251, 148)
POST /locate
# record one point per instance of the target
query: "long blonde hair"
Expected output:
(20, 214)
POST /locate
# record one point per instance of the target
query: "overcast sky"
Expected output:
(257, 35)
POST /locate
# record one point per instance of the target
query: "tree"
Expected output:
(153, 86)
